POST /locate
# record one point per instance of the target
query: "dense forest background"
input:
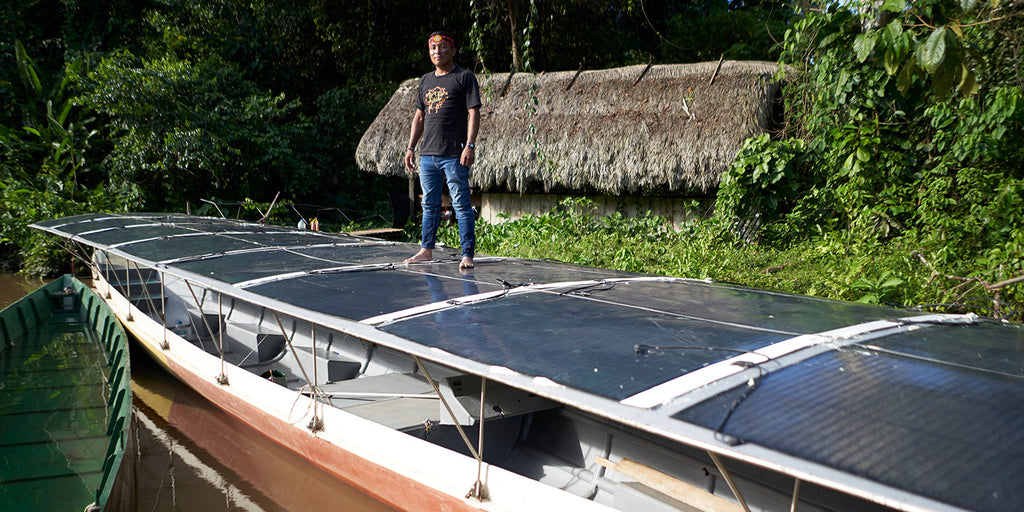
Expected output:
(898, 177)
(158, 104)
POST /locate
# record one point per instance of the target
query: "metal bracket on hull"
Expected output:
(316, 423)
(479, 489)
(446, 405)
(164, 345)
(729, 480)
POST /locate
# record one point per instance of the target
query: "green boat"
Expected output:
(65, 399)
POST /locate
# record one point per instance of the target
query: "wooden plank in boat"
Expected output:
(670, 486)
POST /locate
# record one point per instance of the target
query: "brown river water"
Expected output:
(191, 456)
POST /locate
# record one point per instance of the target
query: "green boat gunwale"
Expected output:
(68, 300)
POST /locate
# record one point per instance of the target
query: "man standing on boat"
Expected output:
(447, 116)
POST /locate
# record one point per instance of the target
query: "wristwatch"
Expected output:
(471, 145)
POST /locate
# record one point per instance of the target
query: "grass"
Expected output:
(838, 266)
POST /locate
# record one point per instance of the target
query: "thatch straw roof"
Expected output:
(602, 130)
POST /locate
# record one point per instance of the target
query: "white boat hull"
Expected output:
(399, 470)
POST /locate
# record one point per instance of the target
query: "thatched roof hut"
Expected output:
(671, 128)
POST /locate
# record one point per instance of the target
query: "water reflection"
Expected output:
(14, 287)
(193, 456)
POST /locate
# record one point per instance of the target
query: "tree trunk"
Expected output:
(516, 52)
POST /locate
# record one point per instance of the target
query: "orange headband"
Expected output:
(438, 38)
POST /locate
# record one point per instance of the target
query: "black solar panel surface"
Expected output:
(363, 294)
(578, 342)
(937, 429)
(185, 246)
(359, 295)
(236, 268)
(750, 306)
(992, 346)
(89, 223)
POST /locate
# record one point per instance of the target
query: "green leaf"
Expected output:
(968, 82)
(64, 111)
(968, 5)
(892, 282)
(932, 53)
(863, 154)
(891, 61)
(894, 5)
(943, 80)
(27, 69)
(848, 164)
(893, 31)
(863, 45)
(906, 78)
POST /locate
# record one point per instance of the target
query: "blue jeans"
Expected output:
(434, 171)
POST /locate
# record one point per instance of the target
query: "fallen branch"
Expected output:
(972, 283)
(264, 217)
(717, 69)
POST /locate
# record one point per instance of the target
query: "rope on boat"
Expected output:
(316, 424)
(81, 253)
(478, 491)
(120, 285)
(94, 267)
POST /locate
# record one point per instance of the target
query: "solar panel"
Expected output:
(584, 344)
(936, 429)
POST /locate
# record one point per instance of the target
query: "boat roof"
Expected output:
(911, 410)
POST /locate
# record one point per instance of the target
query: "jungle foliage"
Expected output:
(905, 142)
(897, 178)
(160, 104)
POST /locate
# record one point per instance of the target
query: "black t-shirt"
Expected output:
(445, 101)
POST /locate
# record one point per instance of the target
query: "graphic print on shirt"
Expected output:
(434, 98)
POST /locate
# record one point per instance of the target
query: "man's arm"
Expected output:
(415, 131)
(468, 153)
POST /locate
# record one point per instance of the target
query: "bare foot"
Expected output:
(466, 262)
(421, 256)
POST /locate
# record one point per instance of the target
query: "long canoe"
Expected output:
(65, 399)
(536, 385)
